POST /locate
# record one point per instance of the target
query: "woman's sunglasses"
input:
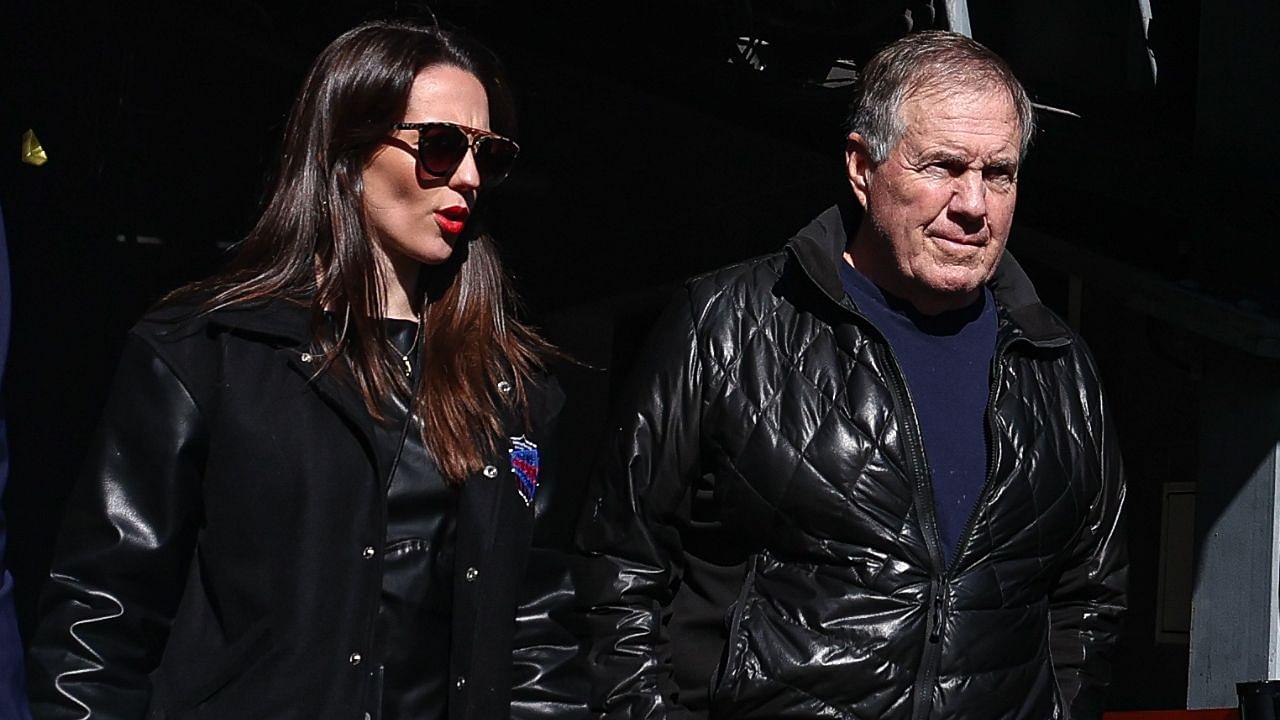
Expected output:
(442, 145)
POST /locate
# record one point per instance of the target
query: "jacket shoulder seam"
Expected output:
(172, 370)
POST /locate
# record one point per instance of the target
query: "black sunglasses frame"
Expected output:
(476, 139)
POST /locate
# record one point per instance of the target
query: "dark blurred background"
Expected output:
(663, 139)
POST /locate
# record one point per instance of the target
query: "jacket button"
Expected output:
(504, 387)
(368, 552)
(472, 574)
(490, 471)
(462, 682)
(354, 659)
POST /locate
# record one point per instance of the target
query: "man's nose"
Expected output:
(466, 176)
(969, 197)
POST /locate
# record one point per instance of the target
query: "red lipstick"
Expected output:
(452, 219)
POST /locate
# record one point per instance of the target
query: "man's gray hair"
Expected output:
(928, 62)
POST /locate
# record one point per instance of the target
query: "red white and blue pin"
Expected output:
(524, 463)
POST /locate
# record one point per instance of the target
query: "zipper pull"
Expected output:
(935, 619)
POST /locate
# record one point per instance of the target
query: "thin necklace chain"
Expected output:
(404, 356)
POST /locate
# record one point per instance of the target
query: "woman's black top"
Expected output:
(412, 638)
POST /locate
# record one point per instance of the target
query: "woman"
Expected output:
(315, 486)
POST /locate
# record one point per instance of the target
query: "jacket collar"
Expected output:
(283, 321)
(275, 318)
(289, 323)
(819, 248)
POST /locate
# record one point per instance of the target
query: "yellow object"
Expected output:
(32, 151)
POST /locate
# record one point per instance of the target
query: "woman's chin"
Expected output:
(435, 252)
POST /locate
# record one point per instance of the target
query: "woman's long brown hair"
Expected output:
(312, 245)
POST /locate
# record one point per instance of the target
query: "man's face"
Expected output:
(941, 203)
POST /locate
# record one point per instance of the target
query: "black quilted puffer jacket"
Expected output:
(762, 540)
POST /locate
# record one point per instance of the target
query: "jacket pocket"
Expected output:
(181, 689)
(735, 645)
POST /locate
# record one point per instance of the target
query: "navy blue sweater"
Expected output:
(946, 360)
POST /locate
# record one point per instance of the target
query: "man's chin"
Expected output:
(956, 284)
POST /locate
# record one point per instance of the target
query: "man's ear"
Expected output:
(858, 162)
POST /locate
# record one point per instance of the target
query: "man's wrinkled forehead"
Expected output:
(935, 100)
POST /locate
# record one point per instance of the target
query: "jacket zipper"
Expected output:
(922, 691)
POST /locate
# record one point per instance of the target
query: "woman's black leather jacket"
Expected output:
(221, 557)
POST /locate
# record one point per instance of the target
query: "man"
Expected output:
(868, 476)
